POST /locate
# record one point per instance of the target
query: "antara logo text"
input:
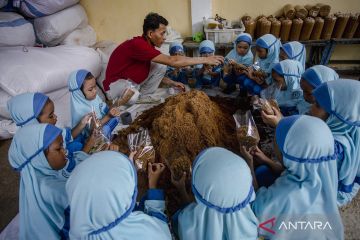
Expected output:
(294, 225)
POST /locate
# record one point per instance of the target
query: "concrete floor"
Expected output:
(9, 193)
(9, 188)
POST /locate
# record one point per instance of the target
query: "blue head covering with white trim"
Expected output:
(80, 106)
(306, 190)
(272, 44)
(25, 108)
(222, 185)
(318, 74)
(206, 46)
(42, 197)
(291, 70)
(102, 192)
(176, 47)
(248, 59)
(341, 100)
(295, 51)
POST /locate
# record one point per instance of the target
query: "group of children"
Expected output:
(318, 155)
(253, 75)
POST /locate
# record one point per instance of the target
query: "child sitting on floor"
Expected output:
(178, 74)
(207, 75)
(84, 100)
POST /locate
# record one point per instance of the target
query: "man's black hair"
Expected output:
(152, 21)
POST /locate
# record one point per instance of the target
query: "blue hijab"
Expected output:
(295, 51)
(248, 59)
(318, 74)
(102, 193)
(42, 197)
(25, 108)
(176, 47)
(341, 100)
(306, 190)
(206, 46)
(291, 70)
(23, 114)
(80, 106)
(222, 185)
(272, 44)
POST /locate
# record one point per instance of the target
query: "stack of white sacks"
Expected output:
(62, 26)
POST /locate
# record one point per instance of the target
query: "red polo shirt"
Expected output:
(130, 60)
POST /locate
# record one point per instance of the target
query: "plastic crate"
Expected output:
(222, 35)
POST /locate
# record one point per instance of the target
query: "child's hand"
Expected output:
(114, 112)
(132, 155)
(232, 62)
(85, 119)
(90, 142)
(256, 152)
(272, 120)
(154, 172)
(249, 72)
(245, 153)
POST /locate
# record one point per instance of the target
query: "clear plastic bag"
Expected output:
(246, 130)
(129, 95)
(145, 152)
(267, 100)
(101, 141)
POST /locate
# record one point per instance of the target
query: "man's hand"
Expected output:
(179, 85)
(214, 60)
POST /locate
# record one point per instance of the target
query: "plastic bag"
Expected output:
(258, 72)
(265, 104)
(145, 152)
(267, 100)
(129, 93)
(246, 130)
(101, 140)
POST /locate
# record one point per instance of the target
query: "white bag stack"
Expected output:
(15, 30)
(41, 8)
(43, 69)
(52, 30)
(81, 37)
(3, 3)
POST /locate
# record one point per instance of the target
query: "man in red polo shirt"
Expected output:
(136, 66)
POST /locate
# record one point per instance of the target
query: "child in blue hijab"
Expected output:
(294, 51)
(178, 74)
(34, 108)
(267, 50)
(222, 185)
(102, 192)
(314, 77)
(240, 54)
(306, 191)
(338, 104)
(37, 152)
(207, 75)
(84, 100)
(286, 76)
